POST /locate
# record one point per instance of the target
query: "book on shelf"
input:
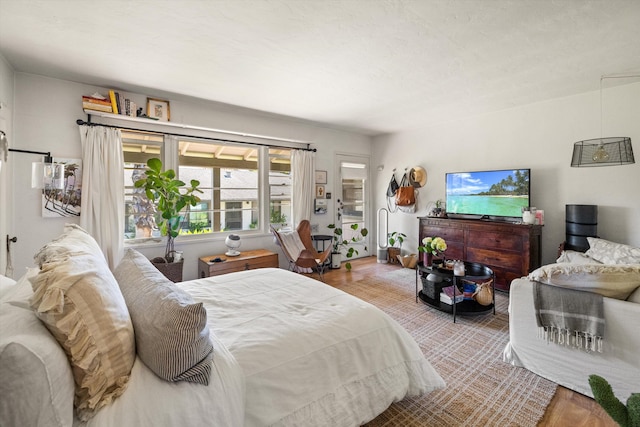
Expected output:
(448, 291)
(114, 101)
(93, 100)
(448, 300)
(97, 107)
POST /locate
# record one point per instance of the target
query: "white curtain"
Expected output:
(303, 164)
(103, 189)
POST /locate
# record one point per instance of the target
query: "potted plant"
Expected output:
(171, 196)
(339, 242)
(395, 240)
(432, 246)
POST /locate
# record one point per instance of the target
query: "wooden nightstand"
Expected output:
(247, 260)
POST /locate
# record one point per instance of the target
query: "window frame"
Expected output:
(170, 156)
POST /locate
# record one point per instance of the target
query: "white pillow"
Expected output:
(37, 383)
(613, 281)
(612, 253)
(575, 257)
(6, 284)
(79, 301)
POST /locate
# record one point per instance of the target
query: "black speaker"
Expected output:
(581, 222)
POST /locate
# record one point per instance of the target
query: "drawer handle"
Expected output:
(246, 266)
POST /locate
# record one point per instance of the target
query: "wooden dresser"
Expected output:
(247, 260)
(510, 250)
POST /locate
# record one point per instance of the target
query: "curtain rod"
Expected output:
(80, 122)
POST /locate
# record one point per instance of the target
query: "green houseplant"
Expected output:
(625, 415)
(395, 240)
(171, 196)
(339, 242)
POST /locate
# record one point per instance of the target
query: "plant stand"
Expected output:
(393, 255)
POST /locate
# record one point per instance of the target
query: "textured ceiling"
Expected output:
(373, 66)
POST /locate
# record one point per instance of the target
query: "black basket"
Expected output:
(432, 289)
(171, 270)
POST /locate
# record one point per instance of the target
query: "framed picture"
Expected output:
(321, 177)
(319, 191)
(320, 207)
(158, 109)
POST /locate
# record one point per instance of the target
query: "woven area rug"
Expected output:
(481, 389)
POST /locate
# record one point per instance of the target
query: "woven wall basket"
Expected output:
(172, 270)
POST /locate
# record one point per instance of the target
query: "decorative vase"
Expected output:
(427, 259)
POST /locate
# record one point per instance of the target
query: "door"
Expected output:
(352, 199)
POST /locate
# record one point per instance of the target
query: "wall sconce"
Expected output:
(45, 174)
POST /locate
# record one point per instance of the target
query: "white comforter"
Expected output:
(292, 350)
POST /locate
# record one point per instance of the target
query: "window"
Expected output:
(230, 178)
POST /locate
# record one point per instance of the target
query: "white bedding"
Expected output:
(310, 354)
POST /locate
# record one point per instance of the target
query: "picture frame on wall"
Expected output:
(319, 191)
(320, 207)
(321, 177)
(158, 109)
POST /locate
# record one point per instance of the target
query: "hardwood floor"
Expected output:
(567, 408)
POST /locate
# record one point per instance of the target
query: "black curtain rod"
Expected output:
(80, 122)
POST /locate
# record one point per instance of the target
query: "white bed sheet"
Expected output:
(311, 354)
(150, 401)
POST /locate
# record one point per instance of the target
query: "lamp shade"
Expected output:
(49, 176)
(603, 152)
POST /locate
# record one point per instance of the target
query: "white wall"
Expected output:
(540, 137)
(44, 119)
(6, 121)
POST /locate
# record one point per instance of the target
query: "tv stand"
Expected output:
(510, 250)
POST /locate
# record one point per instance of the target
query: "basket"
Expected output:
(432, 288)
(484, 293)
(171, 270)
(408, 261)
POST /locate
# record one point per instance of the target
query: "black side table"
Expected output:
(323, 238)
(474, 272)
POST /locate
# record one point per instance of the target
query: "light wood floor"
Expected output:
(567, 408)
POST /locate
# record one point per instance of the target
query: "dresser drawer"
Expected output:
(449, 234)
(247, 260)
(505, 260)
(501, 241)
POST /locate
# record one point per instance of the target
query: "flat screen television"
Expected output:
(494, 194)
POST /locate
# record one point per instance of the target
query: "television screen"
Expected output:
(500, 193)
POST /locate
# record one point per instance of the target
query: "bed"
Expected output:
(287, 350)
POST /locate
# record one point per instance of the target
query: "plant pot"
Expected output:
(427, 259)
(393, 255)
(336, 259)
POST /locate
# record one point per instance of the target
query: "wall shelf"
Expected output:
(190, 130)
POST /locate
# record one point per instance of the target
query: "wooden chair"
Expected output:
(299, 250)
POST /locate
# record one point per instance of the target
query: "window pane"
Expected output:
(280, 186)
(229, 179)
(141, 217)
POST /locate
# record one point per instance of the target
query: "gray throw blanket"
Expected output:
(569, 317)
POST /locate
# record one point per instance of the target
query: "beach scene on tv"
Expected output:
(491, 193)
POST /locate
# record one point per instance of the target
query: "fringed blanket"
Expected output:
(569, 317)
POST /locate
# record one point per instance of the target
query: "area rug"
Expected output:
(481, 389)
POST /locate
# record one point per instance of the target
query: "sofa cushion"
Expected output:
(635, 296)
(37, 383)
(575, 257)
(172, 336)
(79, 301)
(613, 281)
(612, 253)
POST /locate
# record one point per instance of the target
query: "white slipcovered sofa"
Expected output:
(607, 268)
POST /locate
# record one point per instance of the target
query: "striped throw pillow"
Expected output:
(172, 336)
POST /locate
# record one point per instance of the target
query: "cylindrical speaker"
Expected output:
(581, 222)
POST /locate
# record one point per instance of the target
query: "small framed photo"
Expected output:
(158, 109)
(319, 191)
(320, 207)
(327, 195)
(321, 177)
